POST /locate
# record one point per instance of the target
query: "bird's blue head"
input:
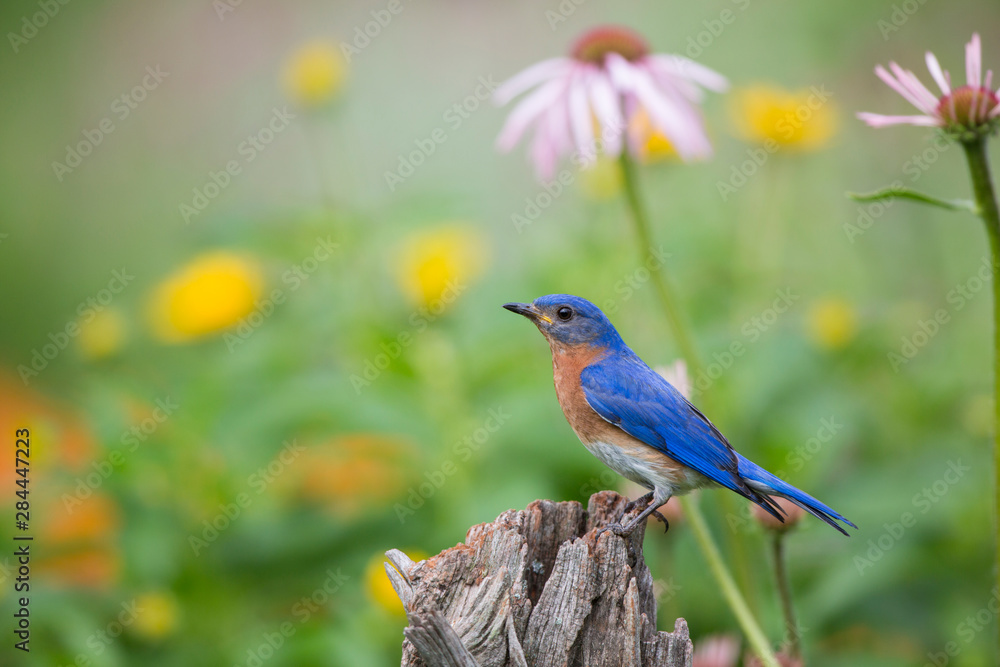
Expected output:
(568, 320)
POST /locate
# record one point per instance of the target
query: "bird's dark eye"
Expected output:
(565, 313)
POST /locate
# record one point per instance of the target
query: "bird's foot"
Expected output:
(641, 501)
(616, 528)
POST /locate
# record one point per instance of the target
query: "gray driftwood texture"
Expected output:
(537, 588)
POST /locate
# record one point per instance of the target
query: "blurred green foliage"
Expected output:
(294, 545)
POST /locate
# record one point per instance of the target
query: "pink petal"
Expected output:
(632, 106)
(890, 81)
(673, 116)
(665, 77)
(935, 68)
(974, 61)
(951, 98)
(974, 104)
(527, 112)
(607, 107)
(987, 83)
(532, 76)
(545, 147)
(689, 69)
(716, 651)
(621, 73)
(579, 115)
(928, 100)
(878, 120)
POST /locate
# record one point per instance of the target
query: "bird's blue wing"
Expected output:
(627, 393)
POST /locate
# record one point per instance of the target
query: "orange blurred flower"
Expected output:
(356, 472)
(58, 436)
(82, 539)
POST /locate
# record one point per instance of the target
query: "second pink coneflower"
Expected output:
(973, 107)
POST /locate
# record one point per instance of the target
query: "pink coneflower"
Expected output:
(583, 103)
(716, 651)
(974, 106)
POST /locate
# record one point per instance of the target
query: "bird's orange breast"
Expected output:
(567, 365)
(629, 456)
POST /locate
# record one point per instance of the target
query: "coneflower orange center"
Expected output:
(595, 45)
(968, 106)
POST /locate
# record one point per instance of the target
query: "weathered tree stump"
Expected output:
(537, 587)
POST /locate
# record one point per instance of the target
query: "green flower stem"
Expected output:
(702, 534)
(323, 178)
(660, 282)
(785, 593)
(986, 202)
(755, 636)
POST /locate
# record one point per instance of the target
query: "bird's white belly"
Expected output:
(673, 479)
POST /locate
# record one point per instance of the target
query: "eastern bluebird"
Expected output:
(637, 423)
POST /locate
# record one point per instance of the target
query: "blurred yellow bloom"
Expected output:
(355, 472)
(602, 179)
(765, 113)
(831, 323)
(211, 293)
(158, 617)
(653, 145)
(315, 73)
(103, 335)
(435, 267)
(377, 583)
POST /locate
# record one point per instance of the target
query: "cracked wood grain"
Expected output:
(537, 588)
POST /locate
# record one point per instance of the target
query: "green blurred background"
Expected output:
(216, 386)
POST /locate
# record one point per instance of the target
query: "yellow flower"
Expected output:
(103, 335)
(602, 179)
(158, 617)
(315, 73)
(653, 145)
(435, 267)
(211, 293)
(766, 114)
(831, 323)
(377, 583)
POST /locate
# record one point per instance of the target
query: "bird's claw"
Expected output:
(632, 504)
(615, 528)
(666, 524)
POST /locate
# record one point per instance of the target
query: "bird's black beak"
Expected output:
(527, 310)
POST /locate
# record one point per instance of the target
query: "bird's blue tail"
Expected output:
(764, 482)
